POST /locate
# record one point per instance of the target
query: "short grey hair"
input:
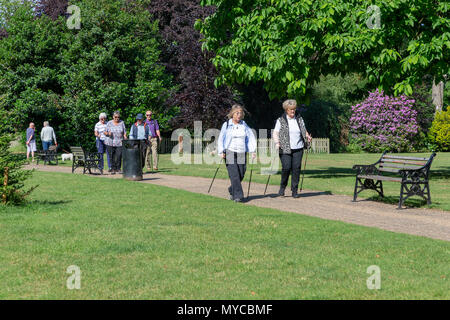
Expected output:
(116, 113)
(45, 123)
(289, 104)
(102, 116)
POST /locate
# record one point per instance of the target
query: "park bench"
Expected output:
(85, 159)
(411, 172)
(47, 155)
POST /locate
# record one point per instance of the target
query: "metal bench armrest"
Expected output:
(93, 155)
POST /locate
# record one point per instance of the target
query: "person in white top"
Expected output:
(290, 138)
(47, 136)
(235, 140)
(99, 132)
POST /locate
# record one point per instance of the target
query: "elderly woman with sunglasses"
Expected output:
(115, 133)
(99, 131)
(290, 137)
(235, 140)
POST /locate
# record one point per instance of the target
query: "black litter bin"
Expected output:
(132, 159)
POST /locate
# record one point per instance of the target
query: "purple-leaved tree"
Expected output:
(191, 68)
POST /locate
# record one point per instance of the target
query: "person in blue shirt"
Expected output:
(235, 140)
(31, 141)
(140, 131)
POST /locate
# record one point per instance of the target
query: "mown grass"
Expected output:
(140, 241)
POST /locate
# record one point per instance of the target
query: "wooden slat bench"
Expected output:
(47, 155)
(85, 159)
(411, 172)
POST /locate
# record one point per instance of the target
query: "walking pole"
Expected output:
(215, 175)
(271, 168)
(304, 168)
(158, 151)
(151, 156)
(250, 181)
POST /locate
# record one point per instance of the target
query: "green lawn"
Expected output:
(139, 241)
(332, 172)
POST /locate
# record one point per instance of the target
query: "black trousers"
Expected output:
(236, 165)
(115, 154)
(290, 165)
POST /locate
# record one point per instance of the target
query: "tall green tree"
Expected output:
(68, 76)
(288, 44)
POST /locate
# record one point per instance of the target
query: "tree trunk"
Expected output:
(438, 95)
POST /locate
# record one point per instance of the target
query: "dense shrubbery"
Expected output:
(68, 77)
(384, 123)
(439, 134)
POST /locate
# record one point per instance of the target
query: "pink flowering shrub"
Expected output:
(383, 123)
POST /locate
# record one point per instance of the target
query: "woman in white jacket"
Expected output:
(235, 140)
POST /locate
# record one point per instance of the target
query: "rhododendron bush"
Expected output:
(384, 123)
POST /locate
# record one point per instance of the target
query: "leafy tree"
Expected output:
(69, 76)
(288, 44)
(12, 176)
(52, 8)
(29, 69)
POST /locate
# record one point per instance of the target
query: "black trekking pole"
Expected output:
(271, 169)
(304, 169)
(215, 175)
(158, 150)
(250, 181)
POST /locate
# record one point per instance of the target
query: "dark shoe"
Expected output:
(237, 200)
(281, 192)
(109, 170)
(113, 171)
(295, 195)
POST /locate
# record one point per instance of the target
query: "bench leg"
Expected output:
(428, 193)
(355, 193)
(381, 189)
(400, 201)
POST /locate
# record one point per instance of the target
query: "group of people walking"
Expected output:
(110, 135)
(236, 139)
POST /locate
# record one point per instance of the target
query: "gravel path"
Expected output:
(422, 222)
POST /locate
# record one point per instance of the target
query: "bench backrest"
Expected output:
(78, 153)
(392, 163)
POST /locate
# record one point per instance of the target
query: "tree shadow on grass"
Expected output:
(47, 202)
(325, 173)
(331, 172)
(442, 173)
